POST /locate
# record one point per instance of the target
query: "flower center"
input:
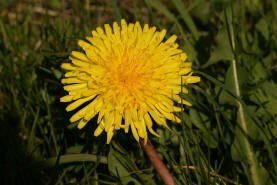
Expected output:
(126, 78)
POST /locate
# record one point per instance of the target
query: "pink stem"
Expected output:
(157, 162)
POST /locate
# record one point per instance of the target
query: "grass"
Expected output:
(228, 136)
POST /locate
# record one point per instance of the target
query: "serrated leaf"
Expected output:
(225, 97)
(223, 51)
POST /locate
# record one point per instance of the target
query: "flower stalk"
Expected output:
(157, 162)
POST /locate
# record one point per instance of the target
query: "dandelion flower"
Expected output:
(129, 77)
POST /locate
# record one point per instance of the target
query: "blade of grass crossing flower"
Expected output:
(151, 14)
(116, 10)
(136, 12)
(187, 18)
(161, 8)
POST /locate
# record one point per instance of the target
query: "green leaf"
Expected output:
(253, 130)
(199, 119)
(120, 165)
(238, 153)
(75, 149)
(203, 122)
(267, 96)
(262, 27)
(201, 11)
(57, 73)
(223, 51)
(225, 97)
(237, 148)
(211, 138)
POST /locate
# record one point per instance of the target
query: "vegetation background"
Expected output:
(228, 136)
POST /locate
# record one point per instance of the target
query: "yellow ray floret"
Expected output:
(129, 77)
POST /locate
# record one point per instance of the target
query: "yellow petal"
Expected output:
(142, 131)
(80, 56)
(86, 46)
(89, 92)
(162, 34)
(193, 79)
(93, 108)
(128, 120)
(124, 32)
(137, 30)
(108, 30)
(66, 98)
(158, 119)
(71, 74)
(77, 103)
(186, 102)
(109, 120)
(94, 33)
(75, 86)
(171, 39)
(82, 123)
(145, 28)
(116, 30)
(149, 124)
(100, 31)
(110, 135)
(134, 131)
(98, 131)
(78, 115)
(68, 66)
(97, 42)
(71, 80)
(79, 62)
(90, 112)
(117, 120)
(185, 90)
(183, 56)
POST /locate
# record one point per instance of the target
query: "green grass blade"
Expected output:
(72, 158)
(253, 163)
(163, 9)
(116, 10)
(187, 18)
(250, 113)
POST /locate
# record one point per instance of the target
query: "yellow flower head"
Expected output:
(129, 77)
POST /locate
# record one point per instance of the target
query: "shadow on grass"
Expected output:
(15, 164)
